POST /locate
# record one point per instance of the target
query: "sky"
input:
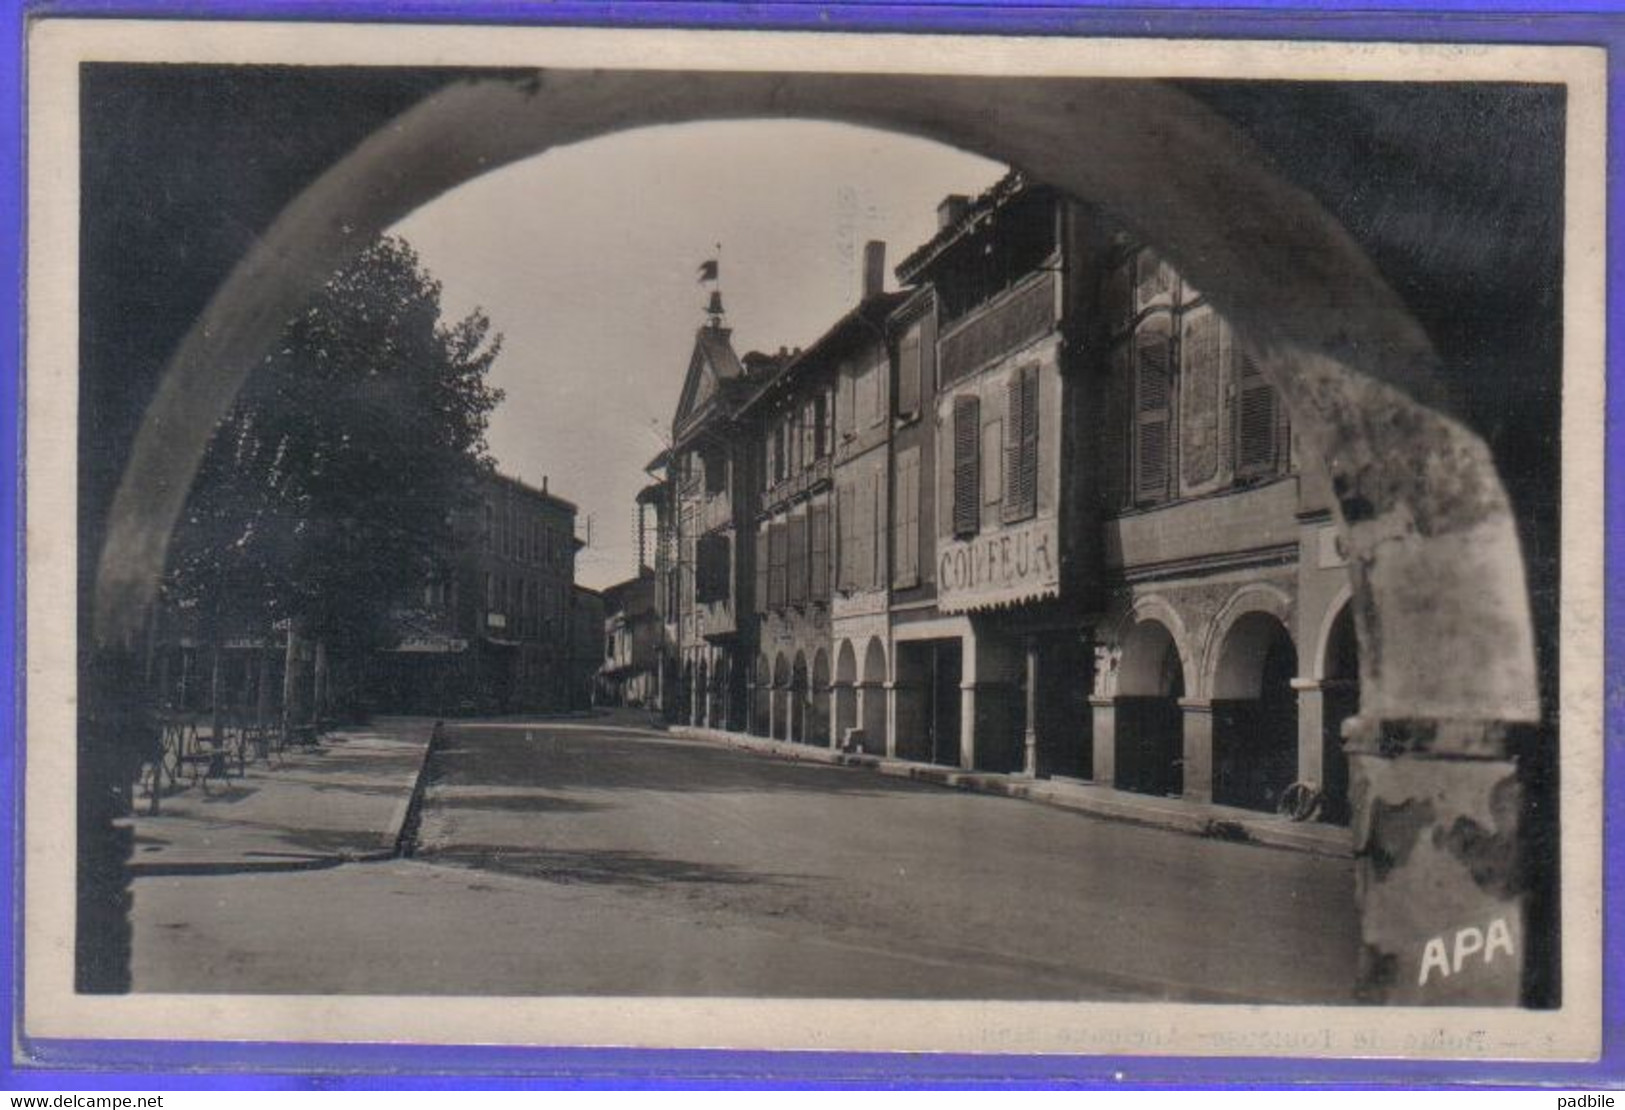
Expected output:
(586, 260)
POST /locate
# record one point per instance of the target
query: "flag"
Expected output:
(708, 270)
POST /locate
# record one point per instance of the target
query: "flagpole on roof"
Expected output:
(711, 272)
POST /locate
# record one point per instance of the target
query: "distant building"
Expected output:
(630, 672)
(492, 631)
(583, 651)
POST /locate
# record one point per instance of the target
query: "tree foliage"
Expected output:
(327, 494)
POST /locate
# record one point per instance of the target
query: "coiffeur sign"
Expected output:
(1013, 565)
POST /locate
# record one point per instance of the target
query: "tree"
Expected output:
(327, 496)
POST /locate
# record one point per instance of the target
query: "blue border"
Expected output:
(131, 1066)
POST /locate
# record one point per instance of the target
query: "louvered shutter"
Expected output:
(1200, 412)
(1151, 415)
(967, 472)
(908, 373)
(1258, 420)
(1113, 429)
(762, 560)
(796, 561)
(818, 545)
(1021, 446)
(775, 581)
(906, 527)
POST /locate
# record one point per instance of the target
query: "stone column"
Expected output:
(1197, 715)
(1311, 724)
(1029, 739)
(1436, 845)
(1104, 713)
(967, 725)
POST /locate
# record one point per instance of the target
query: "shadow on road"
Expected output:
(472, 756)
(598, 867)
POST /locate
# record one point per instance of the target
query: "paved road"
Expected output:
(576, 858)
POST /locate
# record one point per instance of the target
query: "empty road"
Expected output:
(593, 857)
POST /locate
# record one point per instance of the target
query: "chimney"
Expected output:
(952, 210)
(544, 483)
(874, 268)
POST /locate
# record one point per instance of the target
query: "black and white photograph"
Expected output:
(813, 541)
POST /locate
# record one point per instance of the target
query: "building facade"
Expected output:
(495, 629)
(630, 672)
(1038, 513)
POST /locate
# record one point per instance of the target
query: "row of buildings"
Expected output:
(500, 627)
(1035, 512)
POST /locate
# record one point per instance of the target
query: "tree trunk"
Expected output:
(290, 684)
(318, 712)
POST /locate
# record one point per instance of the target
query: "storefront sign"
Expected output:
(1016, 564)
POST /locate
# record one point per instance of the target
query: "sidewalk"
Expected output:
(346, 799)
(1222, 822)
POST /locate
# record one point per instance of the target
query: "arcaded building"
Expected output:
(1036, 513)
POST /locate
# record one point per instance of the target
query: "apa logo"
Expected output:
(1471, 941)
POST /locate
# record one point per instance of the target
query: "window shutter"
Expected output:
(762, 559)
(1257, 420)
(967, 475)
(818, 544)
(776, 582)
(796, 561)
(1021, 446)
(1151, 412)
(906, 525)
(809, 434)
(908, 372)
(1199, 418)
(1113, 428)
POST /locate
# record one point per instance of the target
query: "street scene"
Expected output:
(600, 856)
(898, 567)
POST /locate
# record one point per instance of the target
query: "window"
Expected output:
(809, 434)
(777, 541)
(967, 480)
(906, 522)
(992, 451)
(716, 470)
(714, 570)
(880, 383)
(1152, 412)
(795, 561)
(488, 528)
(1021, 446)
(762, 560)
(846, 405)
(909, 365)
(822, 443)
(1261, 427)
(1199, 395)
(858, 536)
(818, 552)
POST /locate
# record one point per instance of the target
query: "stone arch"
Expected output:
(819, 696)
(798, 698)
(1147, 645)
(761, 697)
(1256, 598)
(1424, 510)
(1338, 610)
(1148, 736)
(846, 690)
(1438, 589)
(872, 697)
(1255, 711)
(779, 716)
